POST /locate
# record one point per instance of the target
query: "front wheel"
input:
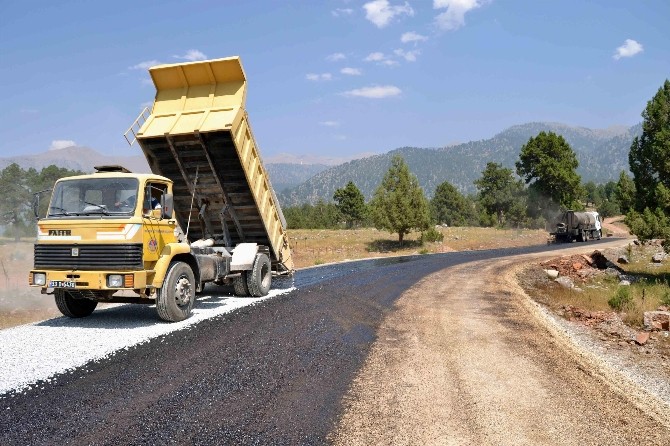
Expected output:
(259, 279)
(175, 298)
(72, 307)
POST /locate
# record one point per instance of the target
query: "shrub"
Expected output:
(431, 235)
(665, 299)
(621, 299)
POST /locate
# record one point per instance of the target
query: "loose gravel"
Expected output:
(37, 352)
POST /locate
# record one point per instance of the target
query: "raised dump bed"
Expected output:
(198, 135)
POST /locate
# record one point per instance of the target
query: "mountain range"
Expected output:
(602, 155)
(283, 175)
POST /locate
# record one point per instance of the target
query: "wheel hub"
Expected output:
(183, 291)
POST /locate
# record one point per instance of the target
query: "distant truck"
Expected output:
(207, 213)
(579, 226)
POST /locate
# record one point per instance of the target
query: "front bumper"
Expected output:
(90, 280)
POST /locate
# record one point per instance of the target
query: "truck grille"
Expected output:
(91, 257)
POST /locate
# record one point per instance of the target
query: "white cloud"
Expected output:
(192, 56)
(381, 13)
(319, 77)
(629, 49)
(412, 37)
(58, 144)
(330, 123)
(409, 56)
(381, 59)
(454, 16)
(145, 65)
(351, 71)
(341, 12)
(374, 92)
(375, 57)
(335, 57)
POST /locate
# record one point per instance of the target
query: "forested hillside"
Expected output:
(287, 175)
(602, 155)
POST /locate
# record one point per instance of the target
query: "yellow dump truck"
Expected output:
(208, 212)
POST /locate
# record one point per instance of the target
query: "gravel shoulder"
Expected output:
(468, 358)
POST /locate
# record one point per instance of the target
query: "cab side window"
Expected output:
(153, 196)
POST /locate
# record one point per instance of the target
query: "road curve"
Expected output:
(463, 361)
(273, 373)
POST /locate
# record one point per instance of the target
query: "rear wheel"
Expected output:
(175, 298)
(240, 285)
(72, 307)
(259, 279)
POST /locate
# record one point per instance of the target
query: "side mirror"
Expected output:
(36, 206)
(167, 201)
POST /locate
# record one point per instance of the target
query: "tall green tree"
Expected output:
(18, 186)
(399, 205)
(450, 206)
(549, 165)
(15, 200)
(624, 193)
(351, 204)
(501, 194)
(594, 194)
(649, 160)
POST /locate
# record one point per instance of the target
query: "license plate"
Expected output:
(61, 284)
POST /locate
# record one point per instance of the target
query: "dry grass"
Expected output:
(314, 247)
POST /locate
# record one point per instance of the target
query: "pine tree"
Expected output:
(350, 203)
(399, 204)
(549, 165)
(648, 159)
(502, 194)
(449, 206)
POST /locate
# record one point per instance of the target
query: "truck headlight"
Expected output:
(39, 279)
(114, 281)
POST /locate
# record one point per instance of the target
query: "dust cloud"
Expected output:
(20, 303)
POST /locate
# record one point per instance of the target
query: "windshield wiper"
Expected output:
(64, 211)
(99, 206)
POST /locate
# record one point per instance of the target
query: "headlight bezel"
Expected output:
(39, 278)
(115, 281)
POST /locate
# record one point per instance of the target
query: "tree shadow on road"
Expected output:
(385, 245)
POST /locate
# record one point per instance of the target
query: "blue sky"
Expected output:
(333, 78)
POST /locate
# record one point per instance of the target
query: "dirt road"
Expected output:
(463, 360)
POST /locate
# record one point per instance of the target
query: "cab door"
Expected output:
(159, 228)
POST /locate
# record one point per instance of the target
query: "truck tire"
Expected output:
(599, 234)
(175, 298)
(259, 279)
(240, 285)
(72, 307)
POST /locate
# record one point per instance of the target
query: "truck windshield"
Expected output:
(108, 196)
